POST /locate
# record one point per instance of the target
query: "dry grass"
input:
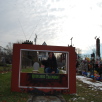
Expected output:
(85, 93)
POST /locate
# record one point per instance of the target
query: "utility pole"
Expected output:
(35, 39)
(71, 41)
(97, 47)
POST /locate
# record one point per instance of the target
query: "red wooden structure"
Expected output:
(47, 83)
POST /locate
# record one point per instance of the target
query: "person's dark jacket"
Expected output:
(50, 63)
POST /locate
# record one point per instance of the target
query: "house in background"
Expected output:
(43, 55)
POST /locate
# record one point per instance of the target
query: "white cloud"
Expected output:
(54, 21)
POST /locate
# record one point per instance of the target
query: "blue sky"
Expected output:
(54, 21)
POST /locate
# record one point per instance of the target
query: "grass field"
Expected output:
(84, 92)
(5, 68)
(41, 70)
(5, 90)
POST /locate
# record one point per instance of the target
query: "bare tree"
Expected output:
(9, 48)
(78, 51)
(19, 41)
(9, 52)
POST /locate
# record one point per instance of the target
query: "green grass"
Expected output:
(5, 68)
(5, 90)
(84, 92)
(29, 70)
(41, 70)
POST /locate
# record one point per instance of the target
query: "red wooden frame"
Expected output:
(18, 77)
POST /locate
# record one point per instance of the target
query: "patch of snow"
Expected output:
(83, 98)
(74, 99)
(95, 85)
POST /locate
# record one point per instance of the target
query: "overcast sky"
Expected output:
(54, 21)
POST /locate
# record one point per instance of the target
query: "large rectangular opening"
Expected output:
(33, 75)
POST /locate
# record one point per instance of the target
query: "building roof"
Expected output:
(44, 43)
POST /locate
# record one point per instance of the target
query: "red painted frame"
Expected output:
(16, 66)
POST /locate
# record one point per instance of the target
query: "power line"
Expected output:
(34, 29)
(22, 29)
